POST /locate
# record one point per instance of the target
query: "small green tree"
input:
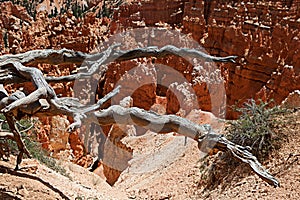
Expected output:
(5, 39)
(254, 126)
(55, 12)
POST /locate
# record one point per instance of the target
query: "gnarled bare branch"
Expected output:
(243, 154)
(18, 104)
(48, 56)
(94, 62)
(111, 55)
(172, 123)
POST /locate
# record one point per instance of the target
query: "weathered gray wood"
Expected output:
(6, 134)
(43, 89)
(49, 56)
(172, 123)
(66, 56)
(17, 138)
(169, 50)
(80, 113)
(18, 104)
(241, 153)
(112, 55)
(96, 62)
(150, 120)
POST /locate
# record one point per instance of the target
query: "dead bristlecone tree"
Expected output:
(43, 101)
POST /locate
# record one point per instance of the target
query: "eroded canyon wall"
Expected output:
(264, 34)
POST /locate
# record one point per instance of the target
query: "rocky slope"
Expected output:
(162, 169)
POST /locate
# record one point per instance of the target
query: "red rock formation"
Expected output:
(264, 34)
(203, 117)
(52, 133)
(193, 19)
(116, 153)
(65, 31)
(281, 84)
(10, 10)
(148, 13)
(21, 33)
(264, 41)
(138, 80)
(293, 100)
(181, 96)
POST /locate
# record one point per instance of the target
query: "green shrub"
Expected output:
(37, 152)
(254, 127)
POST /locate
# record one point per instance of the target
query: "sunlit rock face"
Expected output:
(265, 36)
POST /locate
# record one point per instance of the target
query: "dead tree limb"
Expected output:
(111, 55)
(48, 56)
(66, 56)
(95, 62)
(243, 154)
(17, 137)
(18, 104)
(6, 134)
(172, 123)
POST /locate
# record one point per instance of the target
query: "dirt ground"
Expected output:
(163, 167)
